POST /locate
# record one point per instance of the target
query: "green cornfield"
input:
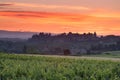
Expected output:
(20, 67)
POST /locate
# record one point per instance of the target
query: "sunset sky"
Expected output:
(57, 16)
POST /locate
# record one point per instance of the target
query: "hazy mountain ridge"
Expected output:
(16, 34)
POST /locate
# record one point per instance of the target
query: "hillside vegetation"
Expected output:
(62, 44)
(21, 67)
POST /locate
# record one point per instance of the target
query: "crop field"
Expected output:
(108, 54)
(22, 67)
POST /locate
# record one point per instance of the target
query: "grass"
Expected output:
(21, 67)
(108, 54)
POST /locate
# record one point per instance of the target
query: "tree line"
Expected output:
(63, 44)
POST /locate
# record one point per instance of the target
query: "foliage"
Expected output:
(16, 67)
(77, 44)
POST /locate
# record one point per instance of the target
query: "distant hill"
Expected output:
(16, 34)
(13, 39)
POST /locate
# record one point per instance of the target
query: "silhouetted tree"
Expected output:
(24, 49)
(67, 52)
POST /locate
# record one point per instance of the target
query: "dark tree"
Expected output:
(67, 52)
(24, 49)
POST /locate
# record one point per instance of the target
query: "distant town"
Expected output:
(61, 44)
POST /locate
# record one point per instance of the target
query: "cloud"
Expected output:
(59, 22)
(53, 6)
(105, 14)
(41, 7)
(6, 4)
(64, 18)
(50, 15)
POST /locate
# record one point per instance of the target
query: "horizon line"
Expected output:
(57, 33)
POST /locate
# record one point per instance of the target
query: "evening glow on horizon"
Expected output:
(55, 16)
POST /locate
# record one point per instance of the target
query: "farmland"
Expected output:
(22, 67)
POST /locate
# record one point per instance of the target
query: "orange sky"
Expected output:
(83, 20)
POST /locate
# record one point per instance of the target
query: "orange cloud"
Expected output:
(59, 22)
(45, 15)
(105, 14)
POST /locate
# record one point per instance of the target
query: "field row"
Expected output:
(19, 67)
